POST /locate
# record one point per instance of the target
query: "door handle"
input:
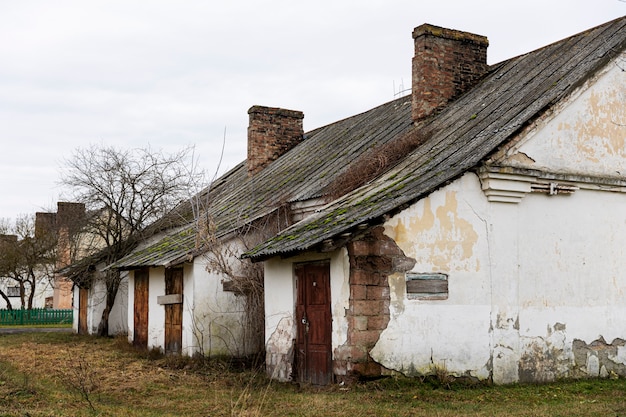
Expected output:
(306, 324)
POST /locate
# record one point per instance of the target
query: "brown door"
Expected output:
(83, 294)
(313, 338)
(173, 312)
(140, 326)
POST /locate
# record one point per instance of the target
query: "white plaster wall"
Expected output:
(525, 281)
(584, 134)
(75, 291)
(446, 233)
(573, 275)
(95, 305)
(130, 307)
(280, 301)
(118, 320)
(214, 318)
(156, 312)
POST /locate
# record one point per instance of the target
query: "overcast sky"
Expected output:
(170, 74)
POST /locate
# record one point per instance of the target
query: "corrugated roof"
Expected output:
(512, 95)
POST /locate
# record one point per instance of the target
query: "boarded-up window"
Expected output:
(426, 286)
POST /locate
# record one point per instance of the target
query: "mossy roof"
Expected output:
(235, 200)
(510, 97)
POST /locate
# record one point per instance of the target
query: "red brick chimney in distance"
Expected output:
(271, 133)
(446, 63)
(69, 218)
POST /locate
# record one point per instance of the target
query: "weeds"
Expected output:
(121, 381)
(82, 380)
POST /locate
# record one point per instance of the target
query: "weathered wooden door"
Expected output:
(173, 312)
(313, 338)
(140, 307)
(83, 294)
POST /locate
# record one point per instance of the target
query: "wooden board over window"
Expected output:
(426, 286)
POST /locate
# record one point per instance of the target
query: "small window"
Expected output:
(13, 291)
(426, 286)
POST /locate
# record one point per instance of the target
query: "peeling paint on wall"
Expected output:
(445, 237)
(280, 350)
(599, 134)
(599, 358)
(548, 358)
(584, 134)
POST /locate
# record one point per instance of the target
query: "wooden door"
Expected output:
(140, 326)
(83, 295)
(173, 312)
(313, 318)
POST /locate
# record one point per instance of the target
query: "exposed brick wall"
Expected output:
(372, 259)
(446, 63)
(271, 132)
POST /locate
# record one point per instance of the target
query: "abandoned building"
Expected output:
(474, 226)
(493, 250)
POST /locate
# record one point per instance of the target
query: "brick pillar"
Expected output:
(372, 259)
(446, 63)
(271, 133)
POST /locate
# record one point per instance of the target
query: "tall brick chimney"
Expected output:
(272, 132)
(45, 224)
(446, 63)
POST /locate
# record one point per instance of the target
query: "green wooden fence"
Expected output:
(35, 316)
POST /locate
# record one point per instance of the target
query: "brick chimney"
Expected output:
(272, 132)
(70, 215)
(45, 224)
(446, 63)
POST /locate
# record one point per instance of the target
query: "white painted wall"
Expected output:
(218, 316)
(212, 318)
(584, 134)
(156, 312)
(118, 317)
(444, 233)
(525, 281)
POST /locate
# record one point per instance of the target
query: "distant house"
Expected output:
(56, 230)
(494, 250)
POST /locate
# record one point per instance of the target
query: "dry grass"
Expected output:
(49, 374)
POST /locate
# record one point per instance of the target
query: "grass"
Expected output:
(61, 374)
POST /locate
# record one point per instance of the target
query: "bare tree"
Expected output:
(27, 258)
(124, 191)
